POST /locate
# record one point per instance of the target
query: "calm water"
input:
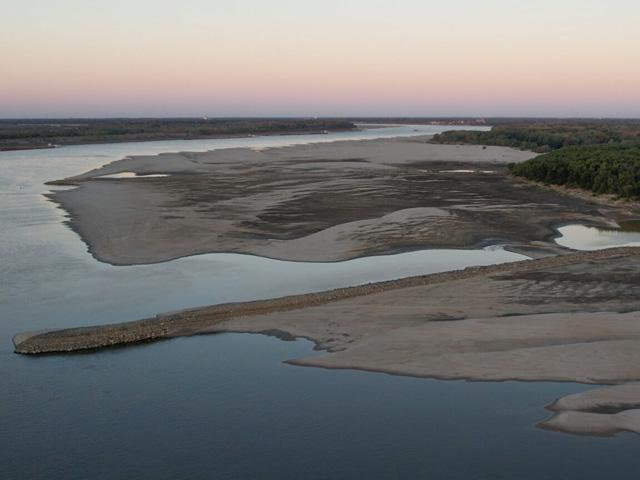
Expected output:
(227, 406)
(580, 237)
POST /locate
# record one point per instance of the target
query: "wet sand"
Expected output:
(603, 411)
(318, 202)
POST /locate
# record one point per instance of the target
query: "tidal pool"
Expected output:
(581, 237)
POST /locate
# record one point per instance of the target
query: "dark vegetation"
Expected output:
(602, 156)
(43, 133)
(546, 135)
(611, 169)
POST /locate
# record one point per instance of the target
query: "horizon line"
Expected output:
(344, 117)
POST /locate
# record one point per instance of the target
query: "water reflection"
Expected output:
(133, 175)
(581, 237)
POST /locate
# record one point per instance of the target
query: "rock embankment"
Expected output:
(197, 320)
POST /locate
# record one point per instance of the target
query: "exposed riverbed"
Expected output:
(226, 404)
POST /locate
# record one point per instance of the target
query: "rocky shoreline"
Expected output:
(192, 321)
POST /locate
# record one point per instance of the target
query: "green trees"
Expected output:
(611, 169)
(602, 156)
(544, 137)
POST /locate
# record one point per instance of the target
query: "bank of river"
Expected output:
(226, 405)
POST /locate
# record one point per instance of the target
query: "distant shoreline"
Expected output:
(168, 137)
(31, 134)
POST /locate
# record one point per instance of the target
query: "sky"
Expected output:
(87, 58)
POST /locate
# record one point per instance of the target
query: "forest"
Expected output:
(611, 169)
(543, 136)
(602, 156)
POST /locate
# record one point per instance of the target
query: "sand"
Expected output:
(318, 202)
(602, 411)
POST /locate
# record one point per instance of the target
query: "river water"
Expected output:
(226, 406)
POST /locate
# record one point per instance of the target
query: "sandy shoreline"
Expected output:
(504, 293)
(607, 200)
(570, 318)
(601, 411)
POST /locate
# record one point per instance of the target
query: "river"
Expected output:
(226, 406)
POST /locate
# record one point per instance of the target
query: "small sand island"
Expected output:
(562, 316)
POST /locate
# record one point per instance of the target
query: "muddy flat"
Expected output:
(317, 202)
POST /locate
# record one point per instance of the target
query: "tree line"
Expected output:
(613, 169)
(602, 156)
(544, 137)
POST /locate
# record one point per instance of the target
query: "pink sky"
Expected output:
(99, 58)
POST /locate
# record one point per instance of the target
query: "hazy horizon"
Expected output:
(345, 117)
(144, 58)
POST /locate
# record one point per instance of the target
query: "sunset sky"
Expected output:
(331, 57)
